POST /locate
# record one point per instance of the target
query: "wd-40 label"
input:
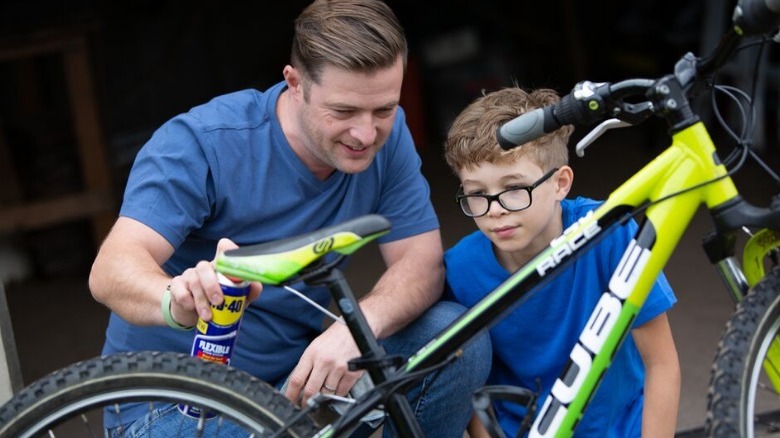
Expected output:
(215, 340)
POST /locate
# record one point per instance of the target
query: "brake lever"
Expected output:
(597, 132)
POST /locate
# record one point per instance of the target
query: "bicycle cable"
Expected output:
(314, 304)
(744, 102)
(748, 117)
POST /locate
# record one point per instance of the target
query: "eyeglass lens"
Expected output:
(516, 199)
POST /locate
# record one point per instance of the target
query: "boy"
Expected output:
(639, 394)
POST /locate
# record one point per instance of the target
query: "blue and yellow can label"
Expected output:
(228, 313)
(215, 340)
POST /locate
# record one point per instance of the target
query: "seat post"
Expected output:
(356, 322)
(397, 405)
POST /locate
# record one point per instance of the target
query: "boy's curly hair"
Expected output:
(472, 137)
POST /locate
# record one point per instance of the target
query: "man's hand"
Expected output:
(413, 281)
(197, 288)
(323, 366)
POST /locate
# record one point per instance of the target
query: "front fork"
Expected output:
(761, 250)
(761, 247)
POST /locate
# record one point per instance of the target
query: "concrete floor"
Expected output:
(56, 322)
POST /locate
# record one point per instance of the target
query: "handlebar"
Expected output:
(587, 103)
(591, 102)
(757, 17)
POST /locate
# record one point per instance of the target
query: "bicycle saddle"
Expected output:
(279, 260)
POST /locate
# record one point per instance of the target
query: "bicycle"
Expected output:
(666, 192)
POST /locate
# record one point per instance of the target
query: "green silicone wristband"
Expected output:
(165, 306)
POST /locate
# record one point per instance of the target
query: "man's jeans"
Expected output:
(441, 402)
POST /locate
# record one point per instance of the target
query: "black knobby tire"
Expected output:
(740, 400)
(80, 392)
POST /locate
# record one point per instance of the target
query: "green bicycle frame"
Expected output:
(668, 190)
(672, 187)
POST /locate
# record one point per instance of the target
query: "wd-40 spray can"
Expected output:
(215, 339)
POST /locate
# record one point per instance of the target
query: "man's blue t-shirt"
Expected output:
(225, 169)
(534, 340)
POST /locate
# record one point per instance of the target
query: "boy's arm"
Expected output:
(476, 429)
(662, 377)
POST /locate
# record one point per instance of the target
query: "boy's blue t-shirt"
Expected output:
(534, 340)
(225, 169)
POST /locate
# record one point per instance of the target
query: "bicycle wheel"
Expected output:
(742, 400)
(70, 402)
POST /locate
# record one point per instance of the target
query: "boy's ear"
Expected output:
(563, 179)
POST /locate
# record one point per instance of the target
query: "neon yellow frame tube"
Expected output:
(688, 162)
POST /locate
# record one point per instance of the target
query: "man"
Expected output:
(327, 144)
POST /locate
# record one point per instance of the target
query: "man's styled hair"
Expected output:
(359, 35)
(471, 139)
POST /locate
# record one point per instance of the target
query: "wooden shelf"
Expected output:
(95, 202)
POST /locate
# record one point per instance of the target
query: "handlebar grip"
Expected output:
(526, 127)
(757, 16)
(541, 121)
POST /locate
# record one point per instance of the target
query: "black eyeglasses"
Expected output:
(512, 199)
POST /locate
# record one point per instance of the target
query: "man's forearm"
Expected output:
(126, 275)
(130, 288)
(408, 287)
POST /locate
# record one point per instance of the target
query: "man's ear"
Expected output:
(564, 178)
(293, 79)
